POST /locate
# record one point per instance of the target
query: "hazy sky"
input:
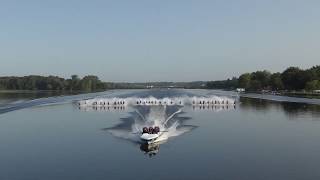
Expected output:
(174, 40)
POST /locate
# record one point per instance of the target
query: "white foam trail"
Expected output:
(170, 117)
(152, 101)
(156, 117)
(141, 116)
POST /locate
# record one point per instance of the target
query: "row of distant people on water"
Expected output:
(122, 102)
(213, 107)
(103, 108)
(215, 102)
(122, 108)
(117, 103)
(157, 102)
(104, 103)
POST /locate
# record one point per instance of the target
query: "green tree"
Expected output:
(74, 82)
(292, 79)
(255, 85)
(313, 85)
(244, 80)
(262, 79)
(90, 83)
(276, 82)
(315, 72)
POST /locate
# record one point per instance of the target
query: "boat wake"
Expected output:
(167, 118)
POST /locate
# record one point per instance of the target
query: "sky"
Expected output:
(164, 40)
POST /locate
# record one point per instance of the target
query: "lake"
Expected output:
(54, 138)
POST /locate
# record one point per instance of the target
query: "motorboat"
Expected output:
(150, 135)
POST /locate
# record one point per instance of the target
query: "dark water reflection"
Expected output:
(291, 109)
(10, 96)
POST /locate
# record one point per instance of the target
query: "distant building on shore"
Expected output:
(316, 91)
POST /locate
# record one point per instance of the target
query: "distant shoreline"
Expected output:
(281, 98)
(296, 94)
(43, 91)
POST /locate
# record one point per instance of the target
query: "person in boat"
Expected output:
(150, 130)
(156, 129)
(145, 130)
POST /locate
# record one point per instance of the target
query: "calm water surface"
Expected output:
(51, 138)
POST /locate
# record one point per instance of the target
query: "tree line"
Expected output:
(293, 78)
(74, 83)
(33, 82)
